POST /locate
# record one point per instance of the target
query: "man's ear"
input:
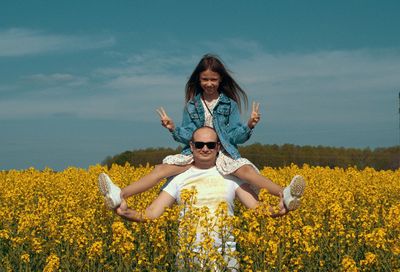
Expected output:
(191, 146)
(218, 146)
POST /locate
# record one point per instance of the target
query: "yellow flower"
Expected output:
(95, 250)
(370, 258)
(37, 245)
(348, 264)
(52, 263)
(25, 258)
(4, 234)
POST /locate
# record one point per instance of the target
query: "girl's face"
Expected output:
(209, 82)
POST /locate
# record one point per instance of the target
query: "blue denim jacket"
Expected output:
(226, 120)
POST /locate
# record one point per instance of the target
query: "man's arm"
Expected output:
(249, 199)
(155, 210)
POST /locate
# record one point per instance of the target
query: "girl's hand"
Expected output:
(165, 120)
(255, 115)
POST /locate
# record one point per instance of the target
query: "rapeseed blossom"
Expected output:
(56, 221)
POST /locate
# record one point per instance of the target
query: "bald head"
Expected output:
(209, 131)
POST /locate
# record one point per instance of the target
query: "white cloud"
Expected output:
(16, 42)
(357, 70)
(149, 80)
(229, 47)
(56, 79)
(326, 86)
(149, 63)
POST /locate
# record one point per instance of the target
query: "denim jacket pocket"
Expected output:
(223, 110)
(223, 113)
(194, 115)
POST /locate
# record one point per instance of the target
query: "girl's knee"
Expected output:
(246, 169)
(160, 167)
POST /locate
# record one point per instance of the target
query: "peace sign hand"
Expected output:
(165, 120)
(254, 116)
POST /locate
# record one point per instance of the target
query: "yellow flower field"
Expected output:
(56, 221)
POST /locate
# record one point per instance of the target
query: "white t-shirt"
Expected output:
(212, 187)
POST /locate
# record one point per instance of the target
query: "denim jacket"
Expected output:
(226, 120)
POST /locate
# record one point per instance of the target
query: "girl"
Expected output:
(213, 98)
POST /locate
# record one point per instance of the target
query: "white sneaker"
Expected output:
(110, 191)
(293, 193)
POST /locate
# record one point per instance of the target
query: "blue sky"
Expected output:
(80, 80)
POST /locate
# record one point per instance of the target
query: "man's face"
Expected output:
(202, 152)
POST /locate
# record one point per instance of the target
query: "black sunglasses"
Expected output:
(200, 145)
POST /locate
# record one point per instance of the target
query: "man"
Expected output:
(212, 189)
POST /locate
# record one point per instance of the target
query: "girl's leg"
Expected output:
(159, 172)
(291, 194)
(250, 175)
(114, 196)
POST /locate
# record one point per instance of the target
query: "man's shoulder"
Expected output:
(234, 179)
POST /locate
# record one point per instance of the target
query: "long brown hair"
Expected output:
(228, 85)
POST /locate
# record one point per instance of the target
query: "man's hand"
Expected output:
(123, 206)
(127, 213)
(254, 116)
(130, 214)
(166, 121)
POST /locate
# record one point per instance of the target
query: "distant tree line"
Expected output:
(281, 155)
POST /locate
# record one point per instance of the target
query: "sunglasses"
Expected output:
(200, 145)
